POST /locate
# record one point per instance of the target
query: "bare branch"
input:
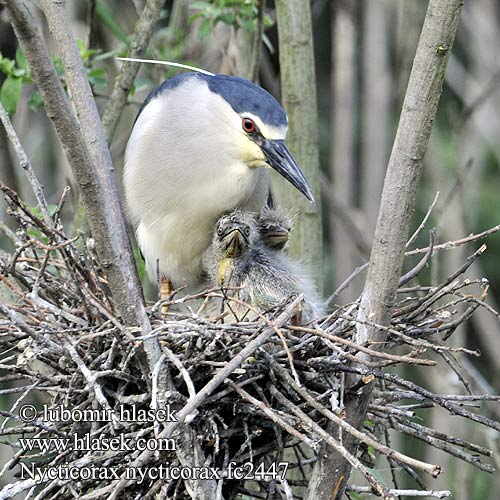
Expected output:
(25, 164)
(253, 72)
(87, 153)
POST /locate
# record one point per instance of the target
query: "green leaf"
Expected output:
(200, 5)
(141, 266)
(98, 82)
(58, 65)
(108, 19)
(227, 18)
(19, 72)
(20, 59)
(97, 72)
(369, 423)
(248, 25)
(51, 207)
(205, 28)
(268, 21)
(35, 101)
(7, 65)
(194, 17)
(10, 93)
(86, 54)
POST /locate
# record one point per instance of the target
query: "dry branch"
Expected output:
(240, 393)
(25, 164)
(236, 398)
(87, 154)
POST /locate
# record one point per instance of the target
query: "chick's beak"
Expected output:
(280, 159)
(234, 242)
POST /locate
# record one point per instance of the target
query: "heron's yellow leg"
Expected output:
(165, 290)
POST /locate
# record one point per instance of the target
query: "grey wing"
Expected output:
(268, 285)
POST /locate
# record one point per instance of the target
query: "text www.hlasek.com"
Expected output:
(101, 443)
(246, 471)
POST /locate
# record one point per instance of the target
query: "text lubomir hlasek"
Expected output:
(123, 413)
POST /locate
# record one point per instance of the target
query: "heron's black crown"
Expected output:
(242, 95)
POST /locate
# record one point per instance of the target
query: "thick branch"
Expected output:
(397, 205)
(85, 147)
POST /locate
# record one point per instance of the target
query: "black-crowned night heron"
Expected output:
(198, 150)
(263, 277)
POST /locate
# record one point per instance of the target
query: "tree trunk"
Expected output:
(298, 92)
(331, 471)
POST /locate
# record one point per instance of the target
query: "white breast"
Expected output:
(178, 181)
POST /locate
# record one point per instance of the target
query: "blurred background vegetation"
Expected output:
(363, 55)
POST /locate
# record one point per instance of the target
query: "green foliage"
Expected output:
(10, 93)
(36, 233)
(36, 211)
(107, 18)
(238, 13)
(18, 74)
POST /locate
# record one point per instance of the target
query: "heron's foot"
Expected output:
(165, 290)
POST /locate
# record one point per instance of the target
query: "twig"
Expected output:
(414, 236)
(257, 42)
(366, 350)
(452, 244)
(309, 423)
(90, 377)
(433, 470)
(185, 374)
(449, 280)
(26, 165)
(421, 264)
(268, 412)
(403, 493)
(218, 379)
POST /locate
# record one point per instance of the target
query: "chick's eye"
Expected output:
(248, 125)
(247, 231)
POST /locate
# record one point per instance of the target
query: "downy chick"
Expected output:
(239, 257)
(274, 225)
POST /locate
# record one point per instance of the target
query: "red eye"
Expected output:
(248, 125)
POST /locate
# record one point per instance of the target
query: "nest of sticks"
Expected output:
(254, 395)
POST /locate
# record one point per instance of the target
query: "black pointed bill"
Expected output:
(280, 159)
